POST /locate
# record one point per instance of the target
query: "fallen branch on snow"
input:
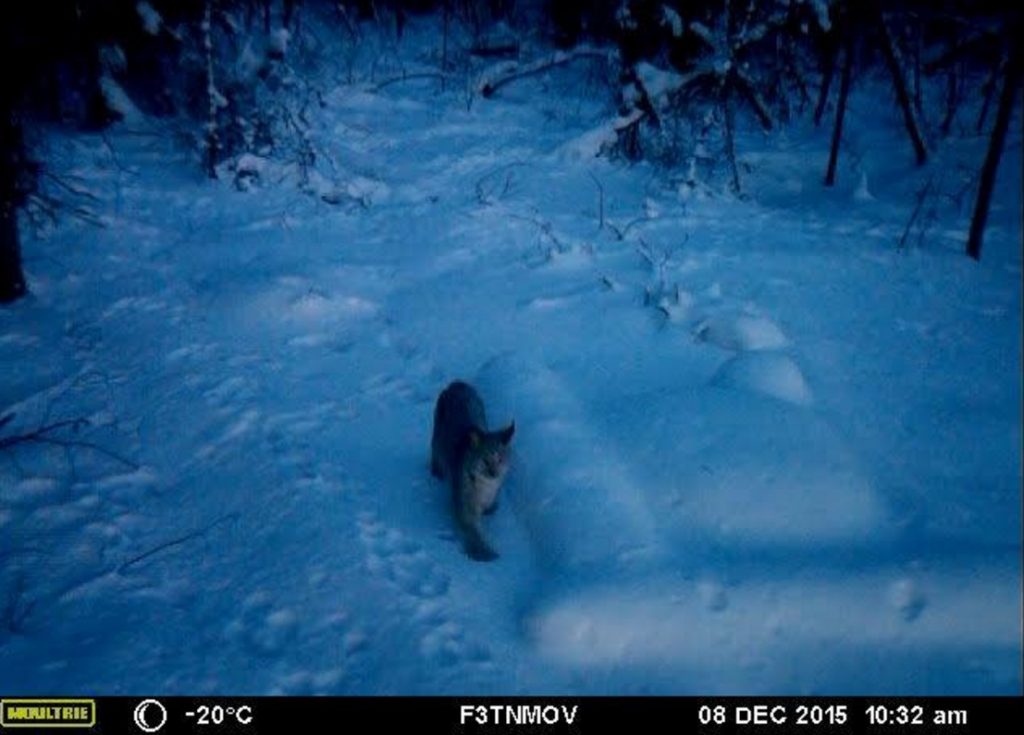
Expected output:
(42, 436)
(175, 542)
(412, 77)
(500, 75)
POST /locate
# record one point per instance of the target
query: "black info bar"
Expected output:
(247, 715)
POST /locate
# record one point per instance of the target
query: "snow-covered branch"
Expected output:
(501, 74)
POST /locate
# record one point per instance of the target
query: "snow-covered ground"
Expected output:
(796, 470)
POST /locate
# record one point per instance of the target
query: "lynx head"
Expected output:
(487, 455)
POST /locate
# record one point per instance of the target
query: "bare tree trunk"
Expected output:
(989, 88)
(995, 148)
(833, 39)
(826, 84)
(844, 91)
(792, 67)
(918, 105)
(12, 157)
(893, 61)
(288, 13)
(12, 279)
(952, 99)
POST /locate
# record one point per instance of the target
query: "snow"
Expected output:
(800, 476)
(772, 375)
(279, 41)
(670, 18)
(821, 13)
(600, 139)
(658, 82)
(152, 21)
(118, 100)
(740, 332)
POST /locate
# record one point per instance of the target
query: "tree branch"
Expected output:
(506, 73)
(42, 436)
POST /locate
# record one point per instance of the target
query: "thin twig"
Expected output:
(68, 187)
(40, 436)
(174, 542)
(113, 154)
(71, 444)
(482, 195)
(600, 201)
(51, 205)
(8, 441)
(411, 77)
(620, 234)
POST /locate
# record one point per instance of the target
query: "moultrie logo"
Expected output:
(44, 713)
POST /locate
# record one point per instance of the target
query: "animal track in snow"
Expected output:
(241, 425)
(400, 561)
(404, 564)
(230, 391)
(134, 304)
(189, 351)
(386, 386)
(263, 627)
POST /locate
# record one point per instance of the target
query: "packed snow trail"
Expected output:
(730, 489)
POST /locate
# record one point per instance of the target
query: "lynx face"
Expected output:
(487, 462)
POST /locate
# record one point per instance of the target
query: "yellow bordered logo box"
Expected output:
(45, 713)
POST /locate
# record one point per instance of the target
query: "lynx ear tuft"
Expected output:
(474, 438)
(505, 435)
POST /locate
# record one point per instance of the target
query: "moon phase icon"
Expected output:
(151, 722)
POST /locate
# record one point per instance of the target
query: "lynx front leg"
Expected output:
(475, 544)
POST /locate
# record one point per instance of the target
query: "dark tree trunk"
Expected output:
(12, 164)
(989, 88)
(995, 148)
(289, 13)
(826, 83)
(918, 105)
(11, 159)
(12, 279)
(830, 52)
(952, 99)
(844, 92)
(899, 81)
(792, 68)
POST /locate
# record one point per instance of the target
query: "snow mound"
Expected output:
(750, 470)
(767, 626)
(769, 373)
(565, 477)
(591, 144)
(740, 333)
(907, 598)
